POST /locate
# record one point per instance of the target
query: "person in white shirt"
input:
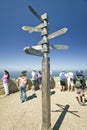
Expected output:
(5, 80)
(34, 79)
(70, 78)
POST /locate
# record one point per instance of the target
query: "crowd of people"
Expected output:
(68, 82)
(71, 82)
(22, 82)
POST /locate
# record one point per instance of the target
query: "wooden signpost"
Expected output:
(44, 51)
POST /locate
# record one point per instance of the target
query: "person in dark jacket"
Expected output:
(80, 85)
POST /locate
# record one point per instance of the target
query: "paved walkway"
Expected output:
(66, 113)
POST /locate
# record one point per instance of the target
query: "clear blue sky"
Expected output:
(62, 13)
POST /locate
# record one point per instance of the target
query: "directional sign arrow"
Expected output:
(32, 51)
(35, 13)
(55, 34)
(39, 47)
(59, 47)
(37, 50)
(31, 29)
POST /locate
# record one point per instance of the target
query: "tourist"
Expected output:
(39, 74)
(5, 80)
(80, 85)
(22, 82)
(34, 79)
(70, 78)
(62, 76)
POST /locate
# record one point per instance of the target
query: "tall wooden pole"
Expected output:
(46, 114)
(43, 28)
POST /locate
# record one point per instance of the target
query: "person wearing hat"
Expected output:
(70, 79)
(80, 86)
(34, 79)
(5, 80)
(62, 76)
(22, 82)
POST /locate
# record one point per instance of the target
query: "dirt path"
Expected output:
(66, 113)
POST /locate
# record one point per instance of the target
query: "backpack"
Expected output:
(63, 77)
(79, 81)
(79, 72)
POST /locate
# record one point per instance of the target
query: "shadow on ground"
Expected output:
(63, 109)
(31, 97)
(52, 92)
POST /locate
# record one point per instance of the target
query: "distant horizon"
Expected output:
(55, 73)
(60, 69)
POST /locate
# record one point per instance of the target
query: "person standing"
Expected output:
(22, 82)
(80, 85)
(5, 80)
(39, 74)
(70, 78)
(34, 79)
(62, 76)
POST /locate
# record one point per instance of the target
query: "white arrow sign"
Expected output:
(59, 47)
(31, 29)
(55, 34)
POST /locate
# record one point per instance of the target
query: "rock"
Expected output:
(13, 87)
(29, 85)
(1, 88)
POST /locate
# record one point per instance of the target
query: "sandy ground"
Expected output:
(66, 113)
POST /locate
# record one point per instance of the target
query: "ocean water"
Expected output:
(55, 73)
